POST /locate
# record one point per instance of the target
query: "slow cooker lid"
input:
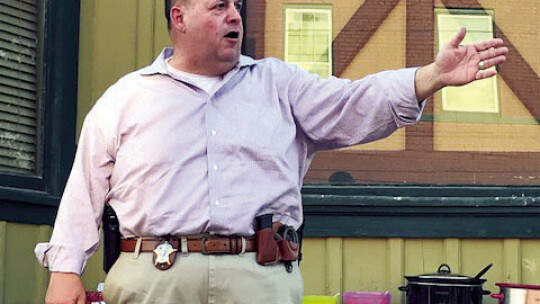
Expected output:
(445, 275)
(445, 281)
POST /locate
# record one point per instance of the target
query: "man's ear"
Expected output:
(177, 18)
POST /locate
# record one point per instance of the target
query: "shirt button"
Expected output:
(217, 203)
(214, 132)
(215, 167)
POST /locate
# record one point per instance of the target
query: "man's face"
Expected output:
(213, 31)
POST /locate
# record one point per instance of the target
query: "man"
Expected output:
(190, 150)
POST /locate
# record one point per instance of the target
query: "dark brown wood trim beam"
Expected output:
(255, 28)
(420, 33)
(358, 30)
(420, 51)
(516, 71)
(461, 4)
(520, 77)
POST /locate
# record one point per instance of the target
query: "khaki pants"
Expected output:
(198, 279)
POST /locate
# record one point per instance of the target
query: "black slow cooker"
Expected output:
(444, 287)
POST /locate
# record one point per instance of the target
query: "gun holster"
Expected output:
(274, 246)
(111, 234)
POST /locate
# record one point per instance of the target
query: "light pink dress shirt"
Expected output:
(171, 159)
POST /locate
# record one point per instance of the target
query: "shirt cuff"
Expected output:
(402, 95)
(61, 258)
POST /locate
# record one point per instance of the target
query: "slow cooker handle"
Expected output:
(405, 289)
(483, 271)
(440, 270)
(499, 296)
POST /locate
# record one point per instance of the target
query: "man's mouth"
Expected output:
(232, 35)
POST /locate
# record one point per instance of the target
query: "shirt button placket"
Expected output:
(213, 166)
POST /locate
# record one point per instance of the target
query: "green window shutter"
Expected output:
(19, 86)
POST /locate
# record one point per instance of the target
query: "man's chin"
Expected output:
(230, 59)
(226, 64)
(230, 55)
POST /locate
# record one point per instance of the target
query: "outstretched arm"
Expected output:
(457, 65)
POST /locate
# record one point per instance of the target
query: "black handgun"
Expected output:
(111, 234)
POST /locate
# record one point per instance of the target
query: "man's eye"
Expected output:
(238, 6)
(220, 5)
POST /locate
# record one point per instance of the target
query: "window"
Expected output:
(308, 38)
(480, 96)
(19, 86)
(38, 93)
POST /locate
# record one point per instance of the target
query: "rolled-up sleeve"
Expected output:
(337, 112)
(75, 236)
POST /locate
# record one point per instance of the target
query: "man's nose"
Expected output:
(234, 14)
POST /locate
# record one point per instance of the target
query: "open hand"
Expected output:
(458, 64)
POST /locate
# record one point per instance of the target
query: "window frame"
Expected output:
(466, 114)
(310, 6)
(33, 199)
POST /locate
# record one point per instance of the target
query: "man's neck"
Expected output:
(199, 66)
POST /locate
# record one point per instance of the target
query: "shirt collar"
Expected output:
(159, 66)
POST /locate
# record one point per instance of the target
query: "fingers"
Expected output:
(82, 299)
(494, 61)
(485, 45)
(487, 72)
(482, 74)
(458, 38)
(493, 52)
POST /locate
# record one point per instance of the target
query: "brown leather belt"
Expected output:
(205, 245)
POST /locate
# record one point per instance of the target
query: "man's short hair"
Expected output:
(168, 6)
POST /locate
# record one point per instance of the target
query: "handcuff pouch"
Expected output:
(288, 250)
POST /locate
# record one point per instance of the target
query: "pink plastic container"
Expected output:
(94, 297)
(367, 297)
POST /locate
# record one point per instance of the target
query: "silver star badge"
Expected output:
(163, 252)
